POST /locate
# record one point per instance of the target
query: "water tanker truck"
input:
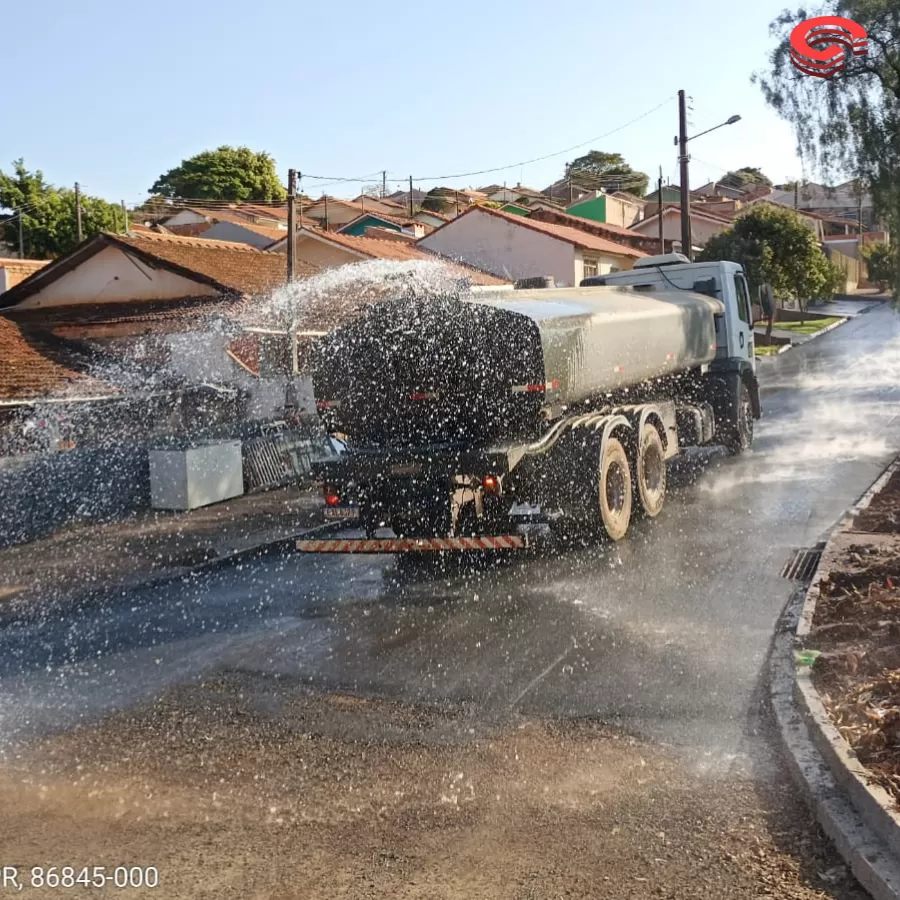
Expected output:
(467, 421)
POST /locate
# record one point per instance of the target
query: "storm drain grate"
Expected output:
(802, 564)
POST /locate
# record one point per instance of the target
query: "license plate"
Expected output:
(341, 512)
(407, 469)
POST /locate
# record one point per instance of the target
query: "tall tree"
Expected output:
(609, 171)
(49, 219)
(848, 123)
(234, 174)
(746, 177)
(775, 246)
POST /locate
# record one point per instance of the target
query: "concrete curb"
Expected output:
(857, 816)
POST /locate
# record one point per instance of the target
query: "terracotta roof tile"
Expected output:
(376, 248)
(17, 270)
(28, 371)
(229, 267)
(232, 266)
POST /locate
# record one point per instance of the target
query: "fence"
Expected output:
(278, 457)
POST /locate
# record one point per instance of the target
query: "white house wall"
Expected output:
(111, 276)
(605, 264)
(186, 217)
(229, 231)
(503, 248)
(701, 231)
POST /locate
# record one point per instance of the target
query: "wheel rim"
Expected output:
(652, 475)
(615, 489)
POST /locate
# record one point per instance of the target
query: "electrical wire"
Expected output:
(516, 165)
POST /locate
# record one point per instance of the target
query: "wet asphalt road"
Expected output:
(665, 634)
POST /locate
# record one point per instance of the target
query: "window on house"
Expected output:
(591, 269)
(614, 269)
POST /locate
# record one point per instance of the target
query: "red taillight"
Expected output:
(332, 499)
(490, 484)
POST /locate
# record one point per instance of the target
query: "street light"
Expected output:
(683, 159)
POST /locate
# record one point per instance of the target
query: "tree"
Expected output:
(746, 177)
(775, 246)
(436, 201)
(233, 174)
(880, 264)
(49, 219)
(598, 171)
(848, 123)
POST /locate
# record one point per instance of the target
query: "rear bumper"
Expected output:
(414, 545)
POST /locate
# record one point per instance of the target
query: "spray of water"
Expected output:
(336, 295)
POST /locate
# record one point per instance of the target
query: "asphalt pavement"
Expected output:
(665, 634)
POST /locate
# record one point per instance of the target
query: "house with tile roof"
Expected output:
(259, 236)
(515, 247)
(704, 225)
(135, 268)
(333, 213)
(166, 314)
(328, 250)
(617, 209)
(400, 223)
(615, 233)
(13, 271)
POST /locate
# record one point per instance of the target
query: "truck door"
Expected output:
(743, 331)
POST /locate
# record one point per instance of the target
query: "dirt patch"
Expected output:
(259, 788)
(883, 514)
(857, 628)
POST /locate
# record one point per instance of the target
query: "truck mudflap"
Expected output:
(413, 545)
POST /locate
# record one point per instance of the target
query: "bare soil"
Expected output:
(258, 788)
(857, 628)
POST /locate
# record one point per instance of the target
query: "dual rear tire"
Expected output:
(624, 486)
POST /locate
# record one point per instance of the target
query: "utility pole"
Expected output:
(686, 243)
(125, 214)
(115, 213)
(659, 215)
(410, 197)
(21, 238)
(384, 184)
(78, 210)
(326, 211)
(859, 222)
(292, 226)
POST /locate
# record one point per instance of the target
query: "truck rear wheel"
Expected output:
(614, 490)
(650, 473)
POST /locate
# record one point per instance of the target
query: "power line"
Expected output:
(527, 162)
(516, 165)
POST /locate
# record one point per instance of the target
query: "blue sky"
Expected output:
(112, 94)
